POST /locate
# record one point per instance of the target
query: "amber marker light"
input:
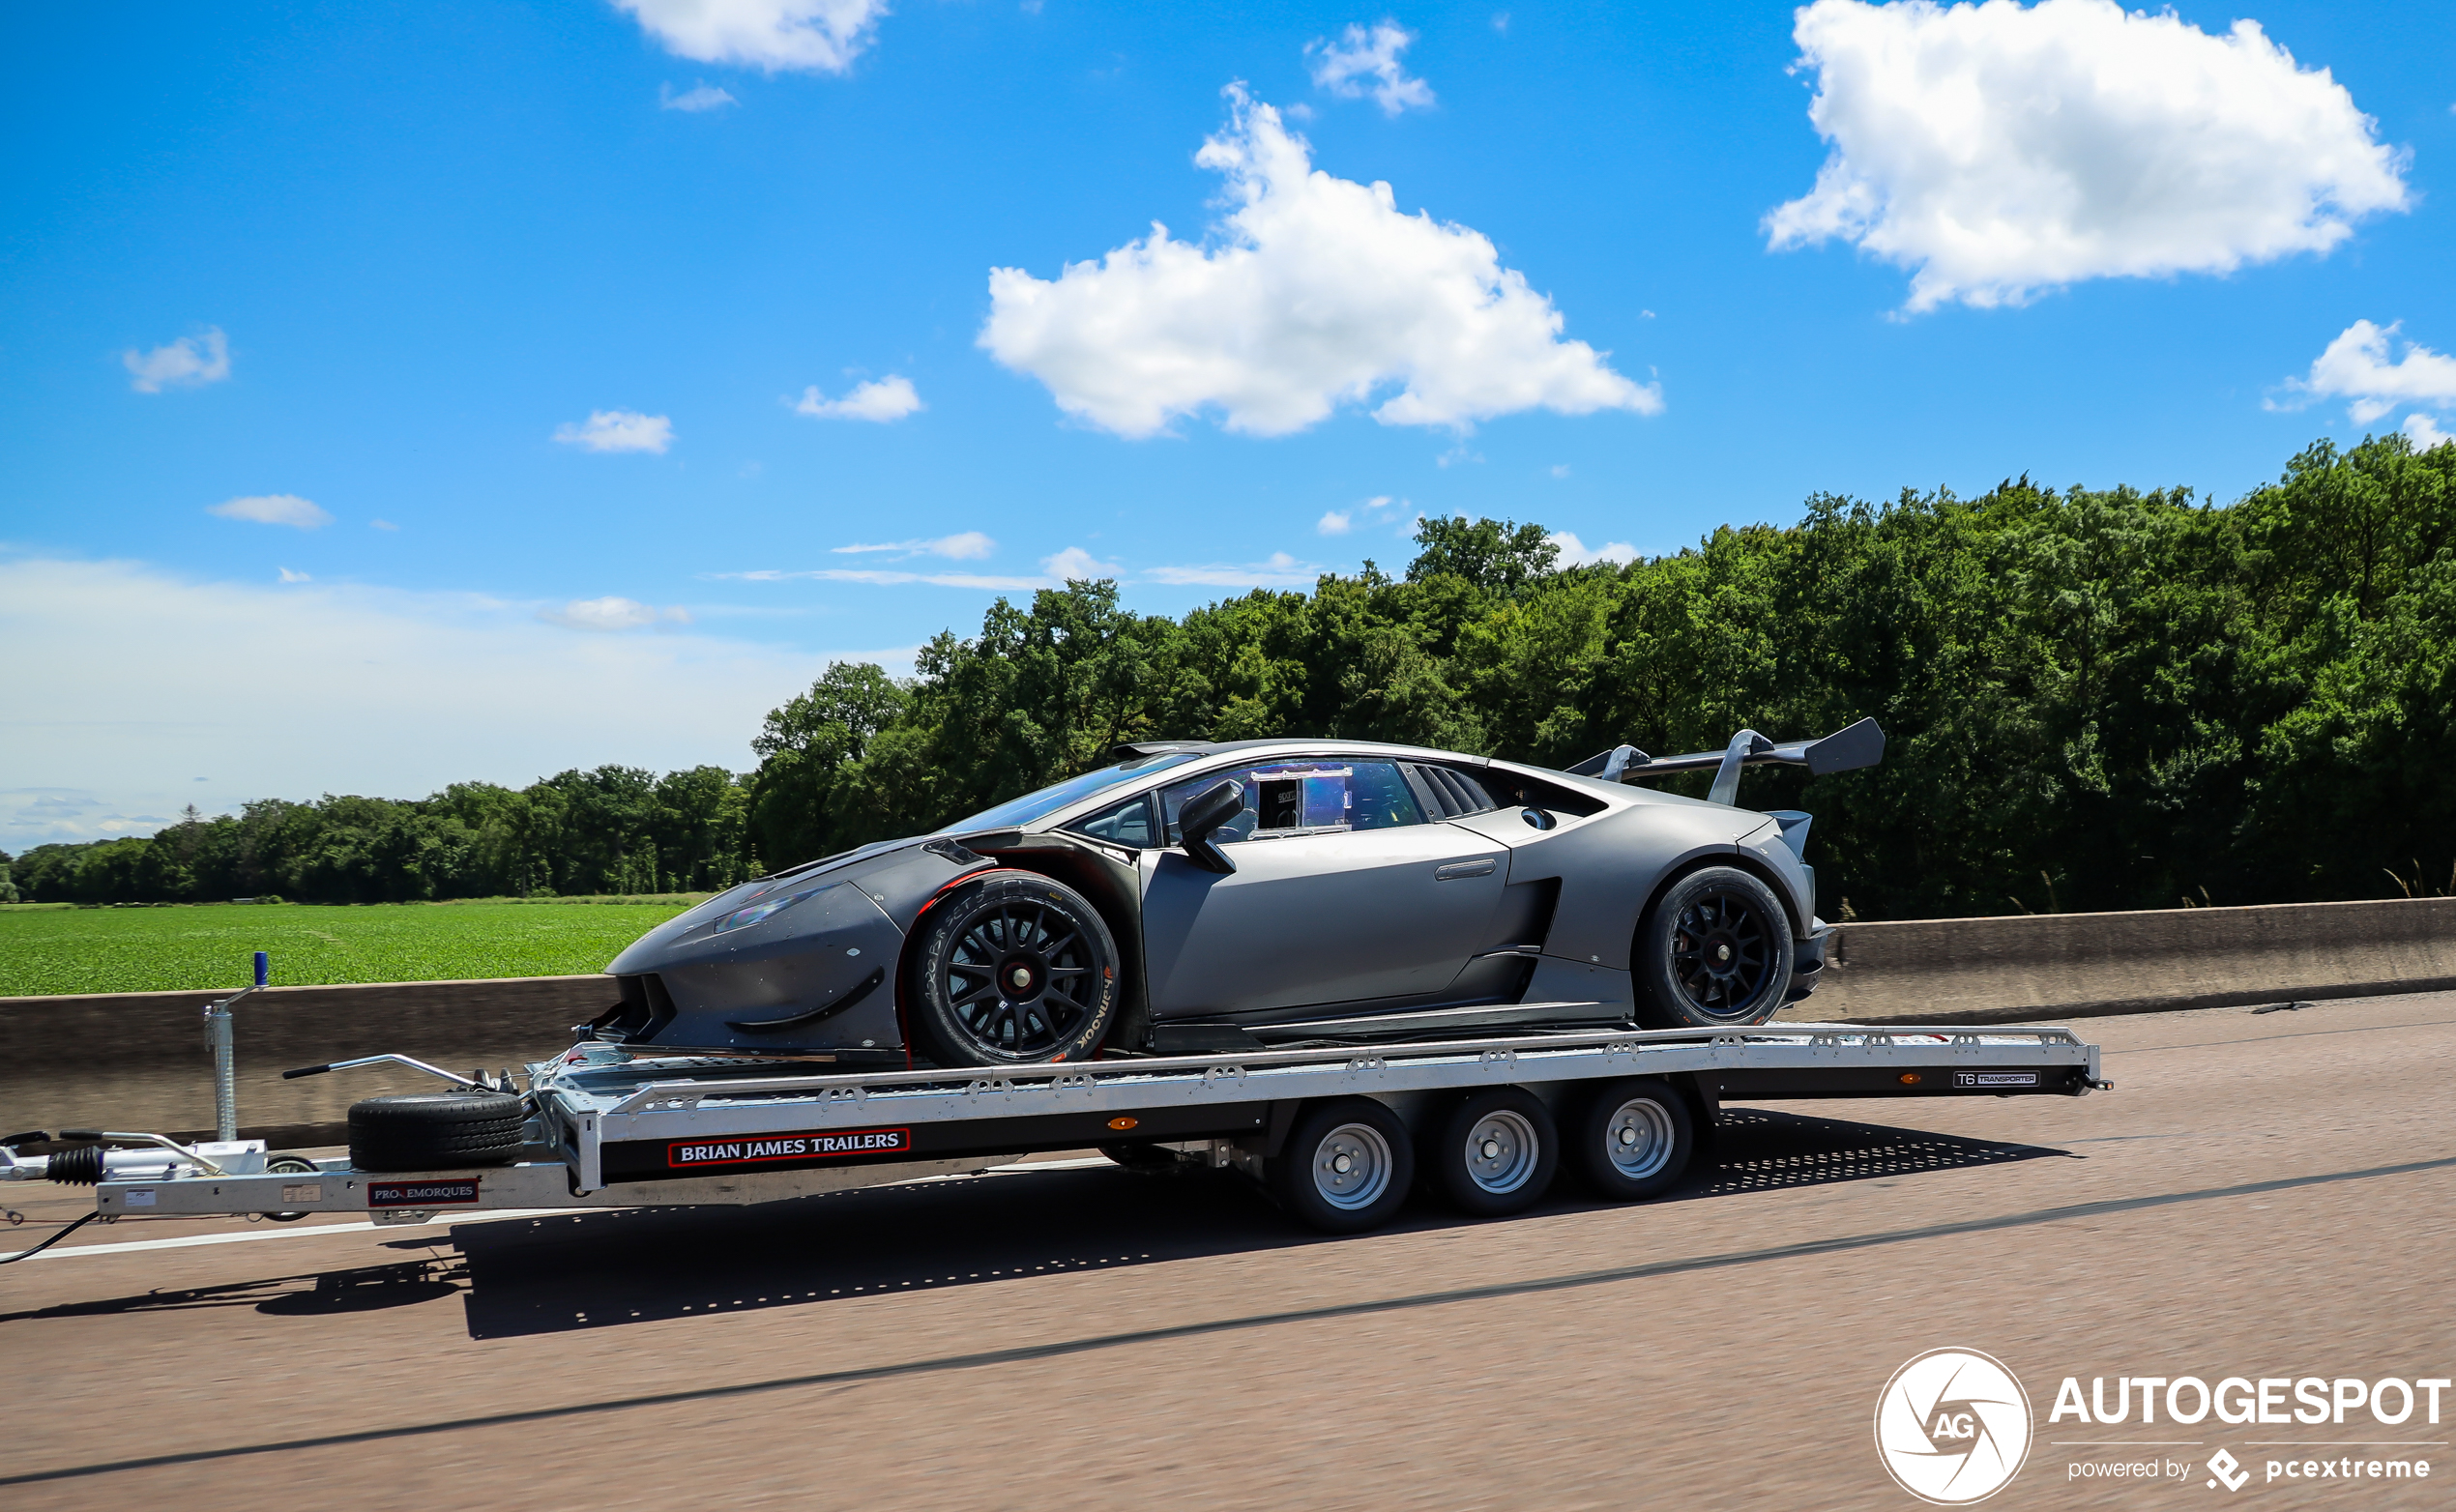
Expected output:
(1123, 1124)
(1910, 1078)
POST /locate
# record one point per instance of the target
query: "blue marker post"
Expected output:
(225, 1084)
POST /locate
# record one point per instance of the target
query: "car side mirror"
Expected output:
(1201, 818)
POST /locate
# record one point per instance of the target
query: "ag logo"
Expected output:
(1952, 1427)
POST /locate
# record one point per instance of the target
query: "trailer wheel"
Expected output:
(1634, 1139)
(289, 1165)
(1139, 1154)
(1495, 1153)
(1346, 1166)
(1714, 950)
(435, 1131)
(1015, 970)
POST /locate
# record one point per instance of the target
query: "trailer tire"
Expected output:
(436, 1131)
(1346, 1166)
(1139, 1154)
(1495, 1153)
(1634, 1138)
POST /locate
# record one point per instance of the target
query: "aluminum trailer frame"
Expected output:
(616, 1130)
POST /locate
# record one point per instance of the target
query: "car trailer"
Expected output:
(1339, 1135)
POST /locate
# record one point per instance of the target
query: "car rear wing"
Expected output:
(1847, 749)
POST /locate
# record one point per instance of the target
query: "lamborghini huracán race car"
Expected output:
(1195, 897)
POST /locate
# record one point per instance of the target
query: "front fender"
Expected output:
(816, 974)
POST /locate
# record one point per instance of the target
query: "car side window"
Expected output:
(1290, 798)
(1121, 824)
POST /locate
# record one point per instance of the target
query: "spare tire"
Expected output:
(436, 1131)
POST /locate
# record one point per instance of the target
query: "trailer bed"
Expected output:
(612, 1130)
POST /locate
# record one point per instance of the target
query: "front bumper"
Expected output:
(1807, 960)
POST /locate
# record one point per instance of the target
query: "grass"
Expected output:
(48, 950)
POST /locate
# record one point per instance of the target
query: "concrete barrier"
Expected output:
(2053, 966)
(138, 1059)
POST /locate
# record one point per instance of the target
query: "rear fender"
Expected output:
(1603, 864)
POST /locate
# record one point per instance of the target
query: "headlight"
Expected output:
(745, 918)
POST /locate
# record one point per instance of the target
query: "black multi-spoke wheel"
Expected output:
(1015, 969)
(1714, 949)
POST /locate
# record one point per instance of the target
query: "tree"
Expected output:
(803, 747)
(1499, 557)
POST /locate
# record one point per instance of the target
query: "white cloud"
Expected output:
(289, 576)
(2355, 367)
(2424, 432)
(705, 96)
(814, 36)
(2001, 152)
(1320, 293)
(1576, 553)
(1056, 570)
(888, 578)
(611, 613)
(1281, 570)
(381, 525)
(273, 508)
(1380, 509)
(1074, 563)
(889, 398)
(1344, 68)
(963, 546)
(43, 816)
(618, 431)
(1559, 469)
(184, 363)
(400, 692)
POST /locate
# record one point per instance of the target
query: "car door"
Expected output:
(1344, 893)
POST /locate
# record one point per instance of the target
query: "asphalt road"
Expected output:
(2262, 1195)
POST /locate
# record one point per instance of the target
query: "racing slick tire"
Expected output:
(1713, 951)
(1345, 1168)
(436, 1131)
(1015, 969)
(1633, 1139)
(1495, 1153)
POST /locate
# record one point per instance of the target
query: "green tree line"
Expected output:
(617, 829)
(2095, 699)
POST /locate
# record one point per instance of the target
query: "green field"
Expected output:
(45, 950)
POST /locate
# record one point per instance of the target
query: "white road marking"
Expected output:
(323, 1229)
(316, 1232)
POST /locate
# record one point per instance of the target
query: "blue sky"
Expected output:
(406, 248)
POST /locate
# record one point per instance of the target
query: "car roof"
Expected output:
(1210, 750)
(1289, 743)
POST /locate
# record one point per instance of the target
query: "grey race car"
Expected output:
(1196, 897)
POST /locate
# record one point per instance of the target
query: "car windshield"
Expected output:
(1058, 795)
